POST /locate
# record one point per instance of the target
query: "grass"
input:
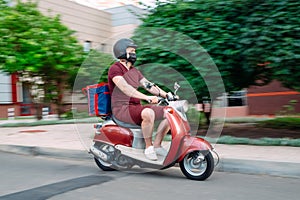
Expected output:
(259, 142)
(240, 120)
(230, 140)
(291, 123)
(19, 118)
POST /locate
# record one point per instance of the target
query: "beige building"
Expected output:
(105, 4)
(95, 28)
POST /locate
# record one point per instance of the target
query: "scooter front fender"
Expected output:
(190, 144)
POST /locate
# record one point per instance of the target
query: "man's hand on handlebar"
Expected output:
(153, 99)
(172, 97)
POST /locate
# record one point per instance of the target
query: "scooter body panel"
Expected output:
(179, 129)
(190, 144)
(114, 135)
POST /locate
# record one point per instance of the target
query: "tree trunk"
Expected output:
(207, 110)
(60, 91)
(38, 111)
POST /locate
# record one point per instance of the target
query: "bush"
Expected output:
(75, 115)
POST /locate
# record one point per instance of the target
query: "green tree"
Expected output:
(93, 70)
(250, 41)
(271, 38)
(43, 51)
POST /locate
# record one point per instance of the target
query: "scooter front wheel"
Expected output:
(197, 165)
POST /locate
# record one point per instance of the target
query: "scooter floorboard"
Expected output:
(138, 154)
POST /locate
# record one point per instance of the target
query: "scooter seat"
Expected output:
(125, 124)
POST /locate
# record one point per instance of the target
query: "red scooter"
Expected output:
(120, 146)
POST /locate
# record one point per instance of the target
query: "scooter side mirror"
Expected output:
(176, 87)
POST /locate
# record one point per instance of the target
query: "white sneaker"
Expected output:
(150, 153)
(161, 151)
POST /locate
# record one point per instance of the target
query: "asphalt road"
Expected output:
(39, 178)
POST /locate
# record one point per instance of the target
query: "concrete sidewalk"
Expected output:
(73, 141)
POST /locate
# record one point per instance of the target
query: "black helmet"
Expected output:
(121, 46)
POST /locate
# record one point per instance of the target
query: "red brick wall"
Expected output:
(235, 111)
(79, 107)
(3, 110)
(270, 99)
(4, 107)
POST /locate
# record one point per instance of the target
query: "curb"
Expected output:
(45, 151)
(257, 167)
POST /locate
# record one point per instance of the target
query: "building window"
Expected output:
(237, 98)
(26, 94)
(26, 105)
(87, 46)
(103, 47)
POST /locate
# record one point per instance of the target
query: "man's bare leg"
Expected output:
(162, 130)
(148, 117)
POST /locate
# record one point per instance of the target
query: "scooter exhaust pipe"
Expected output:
(99, 154)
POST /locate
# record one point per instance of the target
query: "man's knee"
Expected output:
(148, 115)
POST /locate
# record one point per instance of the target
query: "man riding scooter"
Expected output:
(124, 80)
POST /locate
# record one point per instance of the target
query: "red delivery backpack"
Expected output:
(99, 101)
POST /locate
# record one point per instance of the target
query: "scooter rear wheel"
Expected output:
(103, 165)
(197, 165)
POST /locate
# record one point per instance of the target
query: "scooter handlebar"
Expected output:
(172, 97)
(162, 101)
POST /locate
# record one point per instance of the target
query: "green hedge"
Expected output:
(292, 123)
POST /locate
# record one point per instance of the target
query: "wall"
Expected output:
(5, 88)
(89, 24)
(228, 112)
(270, 99)
(124, 21)
(3, 110)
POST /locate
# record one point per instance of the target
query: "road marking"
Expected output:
(47, 191)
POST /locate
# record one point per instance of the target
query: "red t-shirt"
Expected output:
(125, 108)
(132, 76)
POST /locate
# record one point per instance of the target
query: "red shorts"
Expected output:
(132, 113)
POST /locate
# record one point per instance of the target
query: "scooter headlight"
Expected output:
(185, 106)
(170, 110)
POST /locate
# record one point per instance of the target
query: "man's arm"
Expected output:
(130, 91)
(155, 90)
